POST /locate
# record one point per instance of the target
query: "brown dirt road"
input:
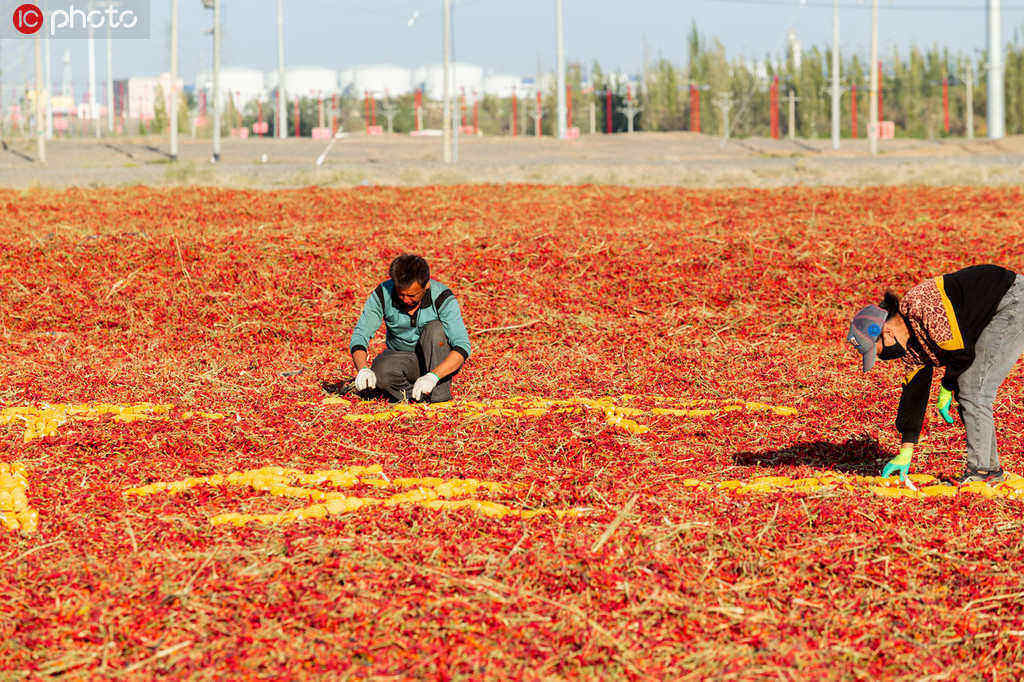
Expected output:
(675, 159)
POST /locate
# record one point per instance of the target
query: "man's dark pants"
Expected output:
(398, 370)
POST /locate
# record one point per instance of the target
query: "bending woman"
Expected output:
(971, 323)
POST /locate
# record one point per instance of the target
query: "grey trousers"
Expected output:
(398, 370)
(1000, 345)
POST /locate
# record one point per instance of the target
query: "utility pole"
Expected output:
(110, 73)
(724, 102)
(110, 83)
(646, 65)
(40, 108)
(560, 65)
(456, 111)
(92, 77)
(216, 81)
(446, 116)
(996, 95)
(281, 125)
(792, 114)
(48, 87)
(835, 74)
(174, 80)
(969, 95)
(873, 112)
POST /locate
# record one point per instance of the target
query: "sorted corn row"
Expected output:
(431, 493)
(615, 413)
(15, 514)
(919, 486)
(46, 419)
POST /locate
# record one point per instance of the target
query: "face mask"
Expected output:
(892, 352)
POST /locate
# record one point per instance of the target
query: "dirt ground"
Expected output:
(675, 159)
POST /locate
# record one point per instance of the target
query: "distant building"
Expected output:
(379, 79)
(244, 85)
(142, 94)
(303, 81)
(466, 78)
(503, 85)
(239, 84)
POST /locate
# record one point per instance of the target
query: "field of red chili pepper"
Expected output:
(161, 345)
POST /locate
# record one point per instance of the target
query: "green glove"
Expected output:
(944, 402)
(900, 463)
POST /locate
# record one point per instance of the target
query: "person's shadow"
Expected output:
(338, 386)
(856, 456)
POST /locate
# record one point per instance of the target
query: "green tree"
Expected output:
(160, 118)
(663, 106)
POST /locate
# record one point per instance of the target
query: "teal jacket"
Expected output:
(402, 330)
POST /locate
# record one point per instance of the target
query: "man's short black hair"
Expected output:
(408, 269)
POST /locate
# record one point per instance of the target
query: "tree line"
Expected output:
(911, 88)
(911, 96)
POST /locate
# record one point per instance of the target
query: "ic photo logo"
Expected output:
(79, 19)
(28, 19)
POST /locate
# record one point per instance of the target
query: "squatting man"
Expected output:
(425, 336)
(971, 323)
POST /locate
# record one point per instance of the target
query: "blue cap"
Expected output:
(864, 332)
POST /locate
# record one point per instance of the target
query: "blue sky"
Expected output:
(507, 36)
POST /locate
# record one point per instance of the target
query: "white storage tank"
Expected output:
(305, 81)
(503, 85)
(381, 80)
(465, 77)
(242, 84)
(142, 95)
(347, 81)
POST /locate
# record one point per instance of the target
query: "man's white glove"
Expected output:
(424, 385)
(366, 379)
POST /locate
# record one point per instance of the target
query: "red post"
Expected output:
(334, 115)
(462, 106)
(373, 110)
(419, 109)
(124, 109)
(773, 105)
(259, 116)
(536, 126)
(880, 117)
(202, 103)
(476, 116)
(608, 111)
(694, 109)
(853, 110)
(945, 102)
(515, 101)
(568, 100)
(366, 110)
(298, 119)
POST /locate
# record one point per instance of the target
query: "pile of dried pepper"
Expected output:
(697, 549)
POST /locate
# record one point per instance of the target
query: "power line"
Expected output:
(898, 8)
